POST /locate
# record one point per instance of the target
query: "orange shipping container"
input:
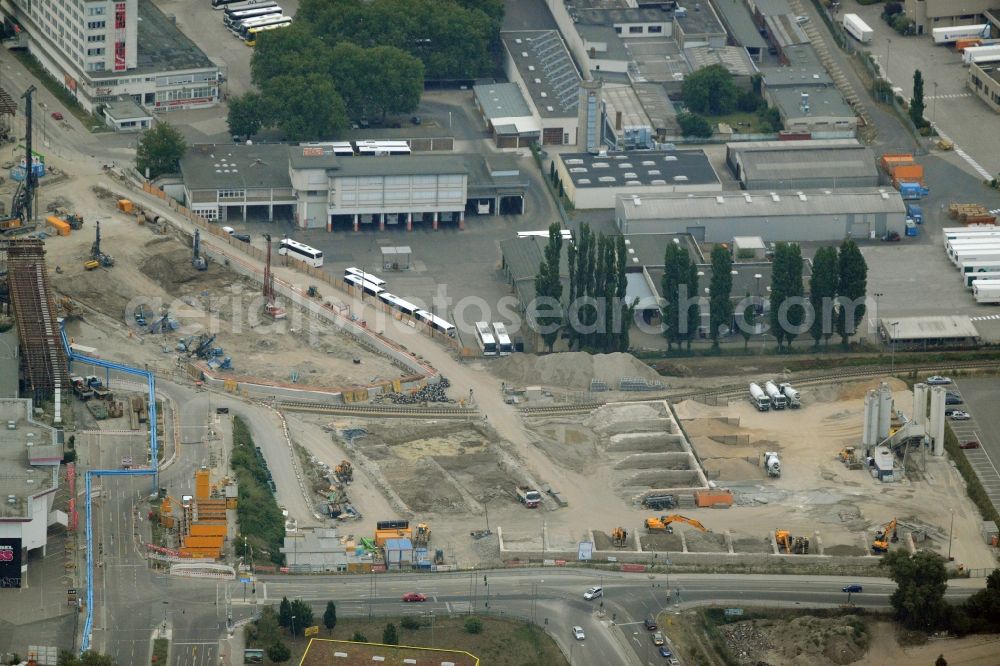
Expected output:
(62, 228)
(891, 160)
(209, 529)
(963, 44)
(715, 497)
(194, 541)
(908, 173)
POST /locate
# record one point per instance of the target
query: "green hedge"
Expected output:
(261, 522)
(972, 485)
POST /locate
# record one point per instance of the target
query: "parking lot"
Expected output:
(981, 395)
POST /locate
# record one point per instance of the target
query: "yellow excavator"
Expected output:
(662, 524)
(884, 536)
(619, 536)
(791, 545)
(422, 536)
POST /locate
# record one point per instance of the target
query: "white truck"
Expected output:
(758, 398)
(778, 400)
(986, 292)
(951, 34)
(858, 29)
(981, 54)
(772, 464)
(528, 497)
(791, 395)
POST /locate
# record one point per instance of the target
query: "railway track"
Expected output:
(822, 378)
(383, 411)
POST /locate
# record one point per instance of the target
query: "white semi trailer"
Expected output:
(953, 33)
(986, 292)
(860, 30)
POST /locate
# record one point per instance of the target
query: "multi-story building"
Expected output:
(984, 80)
(930, 14)
(105, 50)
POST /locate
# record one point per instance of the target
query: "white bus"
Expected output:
(243, 6)
(368, 277)
(504, 345)
(234, 20)
(367, 287)
(397, 303)
(484, 336)
(232, 4)
(339, 148)
(435, 322)
(301, 251)
(246, 30)
(251, 38)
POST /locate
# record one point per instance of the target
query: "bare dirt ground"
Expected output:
(971, 650)
(155, 269)
(800, 640)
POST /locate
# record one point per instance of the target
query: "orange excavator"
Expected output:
(884, 536)
(619, 536)
(662, 524)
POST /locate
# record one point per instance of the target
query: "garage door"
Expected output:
(552, 136)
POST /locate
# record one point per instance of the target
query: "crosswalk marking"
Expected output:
(995, 211)
(948, 96)
(985, 317)
(965, 156)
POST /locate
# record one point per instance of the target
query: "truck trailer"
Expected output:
(915, 213)
(981, 276)
(951, 34)
(981, 54)
(758, 398)
(912, 190)
(987, 253)
(986, 292)
(980, 266)
(858, 28)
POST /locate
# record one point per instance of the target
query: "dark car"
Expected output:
(243, 237)
(57, 115)
(953, 399)
(665, 651)
(650, 624)
(414, 596)
(853, 588)
(971, 444)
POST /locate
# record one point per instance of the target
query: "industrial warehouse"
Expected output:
(321, 188)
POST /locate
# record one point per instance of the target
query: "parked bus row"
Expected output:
(248, 19)
(493, 341)
(373, 285)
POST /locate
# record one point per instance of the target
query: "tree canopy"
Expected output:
(720, 293)
(851, 289)
(921, 581)
(710, 90)
(160, 150)
(548, 286)
(822, 292)
(680, 290)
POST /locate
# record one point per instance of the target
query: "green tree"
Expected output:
(940, 661)
(359, 637)
(582, 315)
(625, 310)
(780, 288)
(993, 580)
(278, 652)
(692, 124)
(670, 288)
(851, 289)
(266, 629)
(375, 82)
(309, 108)
(247, 115)
(303, 614)
(770, 118)
(548, 285)
(693, 319)
(291, 50)
(921, 581)
(748, 101)
(330, 616)
(473, 625)
(285, 613)
(795, 313)
(88, 658)
(749, 321)
(160, 150)
(710, 90)
(389, 635)
(822, 292)
(917, 103)
(720, 301)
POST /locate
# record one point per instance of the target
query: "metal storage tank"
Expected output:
(937, 419)
(884, 411)
(920, 403)
(869, 435)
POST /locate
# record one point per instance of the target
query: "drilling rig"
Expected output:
(97, 257)
(21, 218)
(197, 260)
(271, 308)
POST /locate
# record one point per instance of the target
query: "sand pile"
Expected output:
(632, 415)
(571, 369)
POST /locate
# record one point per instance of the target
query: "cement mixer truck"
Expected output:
(758, 398)
(778, 400)
(791, 395)
(772, 464)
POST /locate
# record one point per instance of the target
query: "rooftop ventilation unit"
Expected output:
(720, 199)
(747, 197)
(774, 197)
(636, 201)
(802, 196)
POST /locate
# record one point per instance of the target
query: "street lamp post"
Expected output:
(894, 325)
(293, 625)
(888, 49)
(934, 105)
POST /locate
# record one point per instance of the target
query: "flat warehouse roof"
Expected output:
(733, 58)
(856, 162)
(740, 23)
(645, 167)
(941, 327)
(823, 102)
(162, 47)
(211, 166)
(863, 201)
(501, 100)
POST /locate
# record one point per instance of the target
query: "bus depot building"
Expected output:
(319, 187)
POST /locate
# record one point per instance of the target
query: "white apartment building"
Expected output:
(104, 50)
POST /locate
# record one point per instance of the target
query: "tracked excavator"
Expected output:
(884, 536)
(663, 523)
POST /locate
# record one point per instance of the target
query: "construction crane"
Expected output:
(197, 260)
(21, 213)
(662, 524)
(884, 536)
(98, 258)
(271, 309)
(619, 536)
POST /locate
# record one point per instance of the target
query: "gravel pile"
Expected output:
(747, 643)
(427, 393)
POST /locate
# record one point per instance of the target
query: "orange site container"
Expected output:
(908, 173)
(62, 228)
(890, 160)
(713, 497)
(209, 529)
(194, 541)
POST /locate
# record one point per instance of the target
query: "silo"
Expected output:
(936, 419)
(884, 411)
(920, 403)
(871, 420)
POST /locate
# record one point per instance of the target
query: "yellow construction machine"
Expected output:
(422, 536)
(662, 524)
(791, 545)
(344, 471)
(888, 534)
(619, 536)
(849, 456)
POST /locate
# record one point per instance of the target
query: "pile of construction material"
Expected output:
(427, 393)
(970, 214)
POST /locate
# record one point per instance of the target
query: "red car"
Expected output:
(969, 445)
(57, 115)
(414, 596)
